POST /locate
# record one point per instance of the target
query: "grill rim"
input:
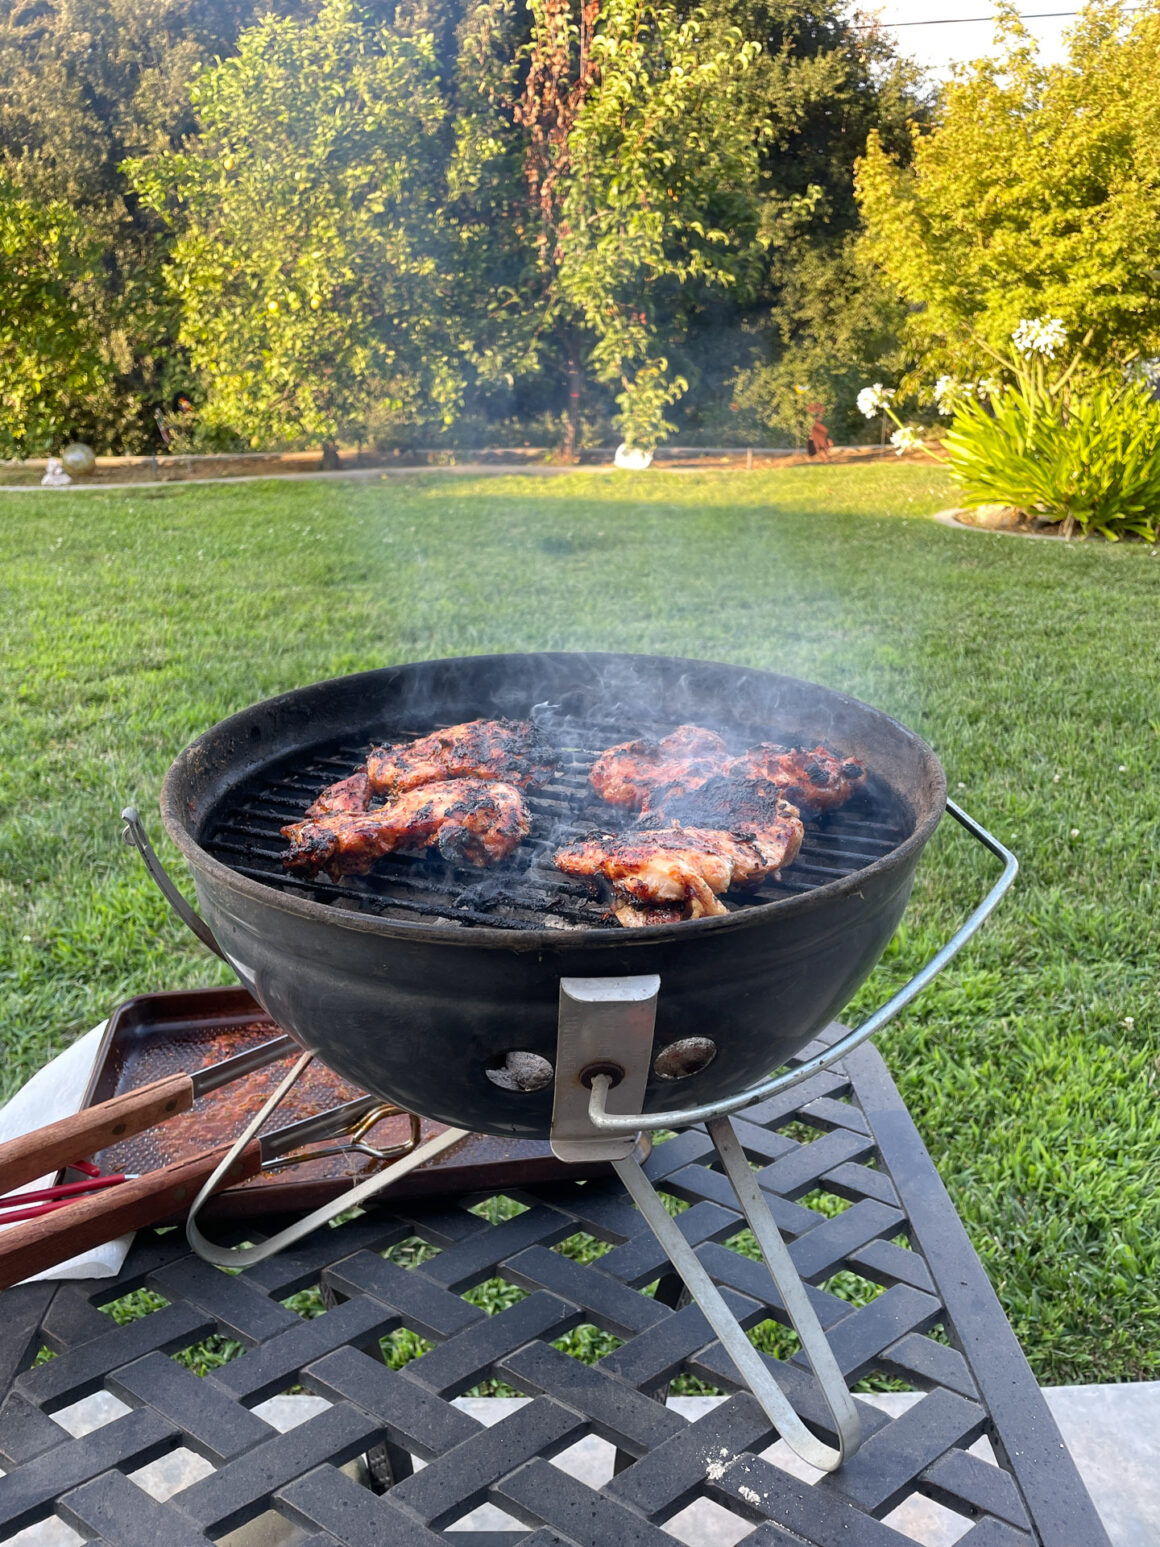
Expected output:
(184, 768)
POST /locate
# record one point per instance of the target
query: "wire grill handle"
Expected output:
(634, 1123)
(137, 838)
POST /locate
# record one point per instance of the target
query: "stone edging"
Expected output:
(950, 517)
(362, 474)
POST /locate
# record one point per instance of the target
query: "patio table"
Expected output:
(933, 1325)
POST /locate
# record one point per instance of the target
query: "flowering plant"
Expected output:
(906, 438)
(875, 400)
(1146, 371)
(946, 389)
(948, 392)
(1089, 459)
(1040, 336)
(1093, 465)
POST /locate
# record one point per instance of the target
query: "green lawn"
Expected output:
(132, 621)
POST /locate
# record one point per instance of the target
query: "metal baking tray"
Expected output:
(158, 1034)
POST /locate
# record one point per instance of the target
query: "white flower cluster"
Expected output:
(906, 439)
(1039, 336)
(1146, 371)
(988, 387)
(873, 400)
(946, 389)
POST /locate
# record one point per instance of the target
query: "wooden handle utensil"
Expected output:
(36, 1244)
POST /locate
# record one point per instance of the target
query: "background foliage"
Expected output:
(60, 344)
(1035, 193)
(604, 210)
(86, 83)
(307, 266)
(578, 220)
(1092, 465)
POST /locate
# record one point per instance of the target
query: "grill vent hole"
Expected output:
(520, 1071)
(684, 1058)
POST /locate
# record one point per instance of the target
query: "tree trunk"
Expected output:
(572, 416)
(330, 461)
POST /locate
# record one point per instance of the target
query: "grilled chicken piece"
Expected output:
(627, 774)
(472, 821)
(351, 794)
(684, 870)
(814, 780)
(730, 802)
(513, 751)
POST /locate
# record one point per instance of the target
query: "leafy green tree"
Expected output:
(596, 203)
(1036, 194)
(624, 159)
(308, 257)
(86, 84)
(60, 345)
(657, 200)
(89, 82)
(581, 269)
(837, 323)
(822, 81)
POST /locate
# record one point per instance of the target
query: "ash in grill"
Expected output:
(525, 891)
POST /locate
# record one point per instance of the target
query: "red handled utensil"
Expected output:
(55, 1223)
(56, 1145)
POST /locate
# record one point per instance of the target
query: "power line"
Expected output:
(955, 21)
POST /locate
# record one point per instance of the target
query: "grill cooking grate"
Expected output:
(526, 891)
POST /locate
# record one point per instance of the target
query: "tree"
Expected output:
(838, 322)
(60, 344)
(1035, 195)
(549, 200)
(629, 161)
(658, 200)
(822, 81)
(309, 259)
(87, 83)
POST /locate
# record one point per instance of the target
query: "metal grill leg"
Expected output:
(750, 1365)
(603, 1050)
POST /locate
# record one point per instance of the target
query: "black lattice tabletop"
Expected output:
(851, 1187)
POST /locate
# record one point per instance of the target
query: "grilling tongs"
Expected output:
(88, 1220)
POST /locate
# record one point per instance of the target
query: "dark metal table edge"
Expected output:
(1023, 1430)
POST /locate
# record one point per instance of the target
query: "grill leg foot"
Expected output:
(750, 1364)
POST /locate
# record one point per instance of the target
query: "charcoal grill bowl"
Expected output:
(417, 1011)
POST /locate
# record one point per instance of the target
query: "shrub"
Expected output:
(1092, 463)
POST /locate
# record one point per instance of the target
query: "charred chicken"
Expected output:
(726, 802)
(351, 794)
(814, 781)
(470, 821)
(681, 872)
(513, 751)
(627, 774)
(649, 775)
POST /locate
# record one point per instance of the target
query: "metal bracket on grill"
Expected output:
(606, 1029)
(604, 1042)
